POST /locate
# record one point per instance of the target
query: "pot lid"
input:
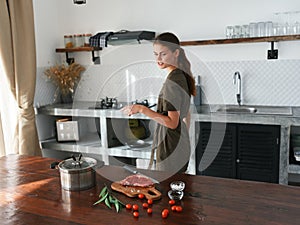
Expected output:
(82, 163)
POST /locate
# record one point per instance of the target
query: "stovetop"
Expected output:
(112, 103)
(106, 103)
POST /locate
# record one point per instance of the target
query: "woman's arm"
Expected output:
(171, 120)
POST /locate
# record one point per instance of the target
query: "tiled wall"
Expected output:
(264, 82)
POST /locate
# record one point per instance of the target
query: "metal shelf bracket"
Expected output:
(69, 60)
(96, 59)
(273, 53)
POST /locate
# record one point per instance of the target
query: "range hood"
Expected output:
(127, 37)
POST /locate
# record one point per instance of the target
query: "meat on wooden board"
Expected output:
(137, 180)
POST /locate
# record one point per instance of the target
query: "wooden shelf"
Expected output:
(69, 60)
(79, 49)
(242, 40)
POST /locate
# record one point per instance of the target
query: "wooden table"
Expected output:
(30, 193)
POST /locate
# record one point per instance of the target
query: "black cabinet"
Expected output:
(242, 151)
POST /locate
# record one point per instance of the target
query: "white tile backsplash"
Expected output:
(264, 82)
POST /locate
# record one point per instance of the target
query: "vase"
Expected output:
(66, 98)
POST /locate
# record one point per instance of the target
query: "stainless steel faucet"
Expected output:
(238, 81)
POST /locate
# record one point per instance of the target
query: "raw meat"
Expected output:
(137, 180)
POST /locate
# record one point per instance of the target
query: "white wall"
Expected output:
(190, 20)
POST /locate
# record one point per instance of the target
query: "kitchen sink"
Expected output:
(266, 110)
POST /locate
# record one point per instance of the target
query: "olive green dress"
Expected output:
(172, 146)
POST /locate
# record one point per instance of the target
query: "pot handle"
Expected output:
(53, 165)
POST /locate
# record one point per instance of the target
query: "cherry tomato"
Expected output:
(136, 214)
(145, 205)
(128, 206)
(149, 210)
(135, 207)
(172, 202)
(178, 208)
(173, 208)
(141, 196)
(150, 201)
(165, 213)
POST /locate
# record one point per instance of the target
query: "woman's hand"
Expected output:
(171, 120)
(132, 109)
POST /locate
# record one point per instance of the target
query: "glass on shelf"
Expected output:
(87, 39)
(245, 31)
(229, 32)
(269, 29)
(287, 23)
(78, 40)
(253, 29)
(261, 29)
(68, 40)
(237, 31)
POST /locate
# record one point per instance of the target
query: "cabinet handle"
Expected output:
(238, 160)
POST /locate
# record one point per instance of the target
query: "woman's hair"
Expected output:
(172, 42)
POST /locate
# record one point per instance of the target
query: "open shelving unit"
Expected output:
(272, 53)
(90, 142)
(95, 59)
(242, 40)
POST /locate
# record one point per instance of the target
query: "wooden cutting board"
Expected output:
(132, 191)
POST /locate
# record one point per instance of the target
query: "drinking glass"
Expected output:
(294, 25)
(261, 29)
(237, 31)
(229, 32)
(253, 29)
(276, 29)
(245, 31)
(269, 29)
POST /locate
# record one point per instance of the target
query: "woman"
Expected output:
(171, 139)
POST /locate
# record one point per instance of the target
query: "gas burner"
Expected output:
(107, 103)
(143, 102)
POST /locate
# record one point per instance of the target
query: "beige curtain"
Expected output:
(17, 55)
(2, 148)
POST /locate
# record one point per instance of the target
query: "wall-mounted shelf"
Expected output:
(272, 53)
(242, 40)
(69, 60)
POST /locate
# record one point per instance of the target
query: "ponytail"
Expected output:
(185, 65)
(172, 42)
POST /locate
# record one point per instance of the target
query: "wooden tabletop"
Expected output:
(30, 193)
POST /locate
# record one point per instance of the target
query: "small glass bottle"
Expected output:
(68, 40)
(87, 40)
(78, 40)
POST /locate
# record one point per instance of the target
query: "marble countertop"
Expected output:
(280, 115)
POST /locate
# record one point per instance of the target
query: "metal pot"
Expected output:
(77, 174)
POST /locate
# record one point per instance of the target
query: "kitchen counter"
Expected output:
(31, 194)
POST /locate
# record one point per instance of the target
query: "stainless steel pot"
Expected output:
(77, 174)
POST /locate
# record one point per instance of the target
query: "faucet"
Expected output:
(238, 80)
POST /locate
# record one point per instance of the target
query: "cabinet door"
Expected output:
(258, 152)
(216, 150)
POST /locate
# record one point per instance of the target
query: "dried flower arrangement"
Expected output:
(65, 77)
